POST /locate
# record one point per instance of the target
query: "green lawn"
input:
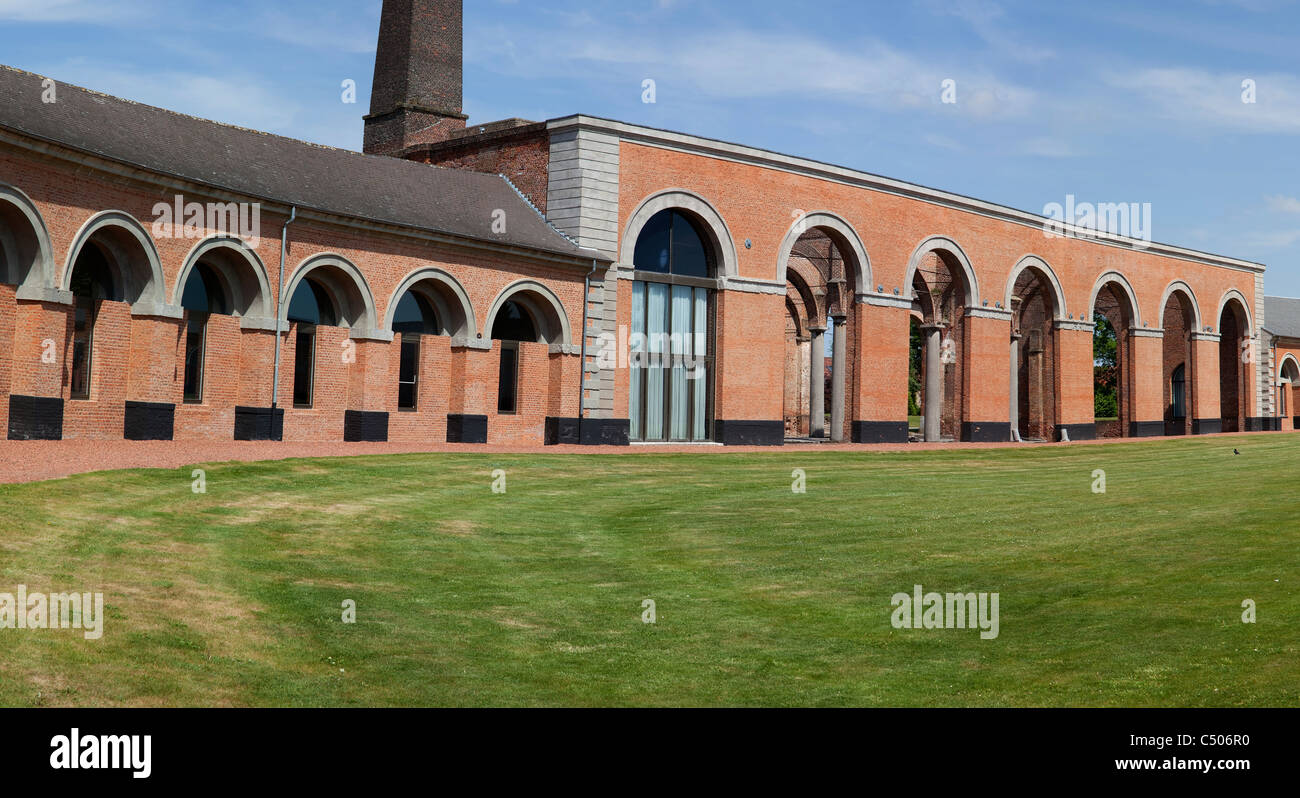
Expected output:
(763, 596)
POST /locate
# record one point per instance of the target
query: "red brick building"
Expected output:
(578, 279)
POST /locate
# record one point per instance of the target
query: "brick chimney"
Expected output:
(416, 95)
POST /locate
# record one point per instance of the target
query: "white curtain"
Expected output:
(656, 327)
(635, 358)
(700, 349)
(681, 321)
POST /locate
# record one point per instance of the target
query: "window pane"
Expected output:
(636, 356)
(679, 408)
(304, 367)
(690, 257)
(653, 242)
(700, 349)
(507, 385)
(195, 331)
(408, 372)
(656, 329)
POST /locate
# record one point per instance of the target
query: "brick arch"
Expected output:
(349, 289)
(940, 243)
(1295, 368)
(142, 276)
(1180, 287)
(813, 309)
(547, 309)
(1233, 295)
(251, 298)
(1135, 311)
(842, 235)
(450, 302)
(675, 198)
(30, 267)
(1041, 266)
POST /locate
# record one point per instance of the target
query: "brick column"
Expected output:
(1147, 383)
(1075, 377)
(880, 393)
(1205, 396)
(987, 378)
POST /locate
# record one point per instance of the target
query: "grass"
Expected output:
(763, 596)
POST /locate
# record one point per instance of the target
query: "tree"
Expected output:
(1105, 369)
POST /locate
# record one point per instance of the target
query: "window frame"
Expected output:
(310, 331)
(197, 397)
(512, 346)
(404, 339)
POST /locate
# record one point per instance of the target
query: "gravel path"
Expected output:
(31, 461)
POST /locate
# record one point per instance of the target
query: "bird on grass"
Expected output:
(1234, 451)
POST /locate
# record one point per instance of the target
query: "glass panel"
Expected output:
(653, 244)
(195, 331)
(701, 349)
(83, 321)
(636, 355)
(679, 407)
(408, 372)
(690, 258)
(304, 366)
(508, 380)
(656, 327)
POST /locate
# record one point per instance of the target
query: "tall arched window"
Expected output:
(310, 306)
(413, 318)
(204, 295)
(92, 283)
(513, 324)
(671, 361)
(1178, 392)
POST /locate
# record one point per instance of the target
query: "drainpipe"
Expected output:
(280, 304)
(582, 368)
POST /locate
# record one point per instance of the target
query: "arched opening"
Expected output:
(93, 282)
(205, 293)
(1113, 315)
(1033, 356)
(1178, 318)
(413, 319)
(940, 292)
(1236, 355)
(23, 247)
(524, 313)
(676, 262)
(311, 305)
(805, 328)
(1288, 383)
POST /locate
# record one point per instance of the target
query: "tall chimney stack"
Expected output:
(416, 95)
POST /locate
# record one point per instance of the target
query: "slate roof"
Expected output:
(277, 169)
(1282, 316)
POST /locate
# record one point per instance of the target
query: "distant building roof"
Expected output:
(1282, 316)
(273, 168)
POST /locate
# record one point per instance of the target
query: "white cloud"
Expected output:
(1283, 204)
(1215, 99)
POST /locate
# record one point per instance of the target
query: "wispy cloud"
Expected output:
(1216, 99)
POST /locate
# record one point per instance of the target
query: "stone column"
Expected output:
(933, 381)
(817, 383)
(838, 372)
(1015, 384)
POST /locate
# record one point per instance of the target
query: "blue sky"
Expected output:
(1109, 101)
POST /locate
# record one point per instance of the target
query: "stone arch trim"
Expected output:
(946, 244)
(149, 299)
(467, 326)
(260, 315)
(1034, 262)
(724, 244)
(1281, 366)
(1127, 288)
(557, 331)
(1180, 287)
(362, 325)
(1228, 296)
(40, 280)
(840, 230)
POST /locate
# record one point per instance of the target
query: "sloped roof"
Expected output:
(278, 169)
(1282, 316)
